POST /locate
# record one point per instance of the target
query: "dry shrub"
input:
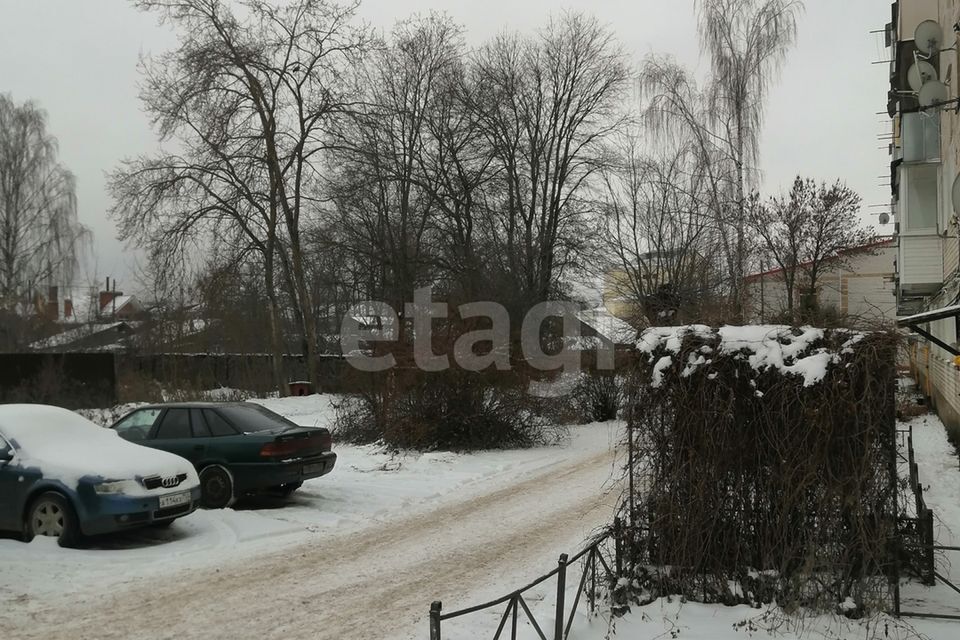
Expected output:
(449, 410)
(598, 396)
(751, 486)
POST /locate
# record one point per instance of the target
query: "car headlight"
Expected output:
(114, 488)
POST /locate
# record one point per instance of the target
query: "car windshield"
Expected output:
(137, 425)
(253, 418)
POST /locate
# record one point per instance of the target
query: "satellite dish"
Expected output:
(932, 93)
(920, 74)
(956, 195)
(884, 218)
(928, 37)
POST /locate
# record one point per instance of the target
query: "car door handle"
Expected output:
(198, 447)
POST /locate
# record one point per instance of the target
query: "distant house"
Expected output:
(88, 337)
(83, 305)
(87, 320)
(605, 329)
(860, 284)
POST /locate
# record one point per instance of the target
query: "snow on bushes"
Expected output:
(803, 352)
(763, 450)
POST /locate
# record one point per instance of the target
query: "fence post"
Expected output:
(435, 610)
(928, 541)
(921, 504)
(592, 559)
(561, 591)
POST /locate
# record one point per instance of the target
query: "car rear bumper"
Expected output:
(262, 475)
(111, 513)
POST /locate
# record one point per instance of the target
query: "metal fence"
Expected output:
(917, 532)
(596, 573)
(917, 537)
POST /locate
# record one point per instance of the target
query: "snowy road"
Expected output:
(374, 581)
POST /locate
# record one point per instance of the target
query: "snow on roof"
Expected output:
(763, 346)
(117, 304)
(67, 447)
(73, 335)
(608, 325)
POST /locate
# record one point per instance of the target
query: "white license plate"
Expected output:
(174, 500)
(314, 468)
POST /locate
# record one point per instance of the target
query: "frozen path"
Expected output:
(940, 477)
(374, 582)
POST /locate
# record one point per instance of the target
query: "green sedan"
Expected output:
(238, 448)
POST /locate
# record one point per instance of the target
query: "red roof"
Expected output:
(880, 242)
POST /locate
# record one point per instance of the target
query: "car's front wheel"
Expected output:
(52, 515)
(216, 487)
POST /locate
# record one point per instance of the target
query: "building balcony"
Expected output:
(920, 246)
(920, 264)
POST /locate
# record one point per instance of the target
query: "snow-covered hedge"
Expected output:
(765, 450)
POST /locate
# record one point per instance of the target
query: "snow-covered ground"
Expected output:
(362, 552)
(376, 509)
(940, 475)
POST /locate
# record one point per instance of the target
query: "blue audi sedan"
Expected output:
(63, 476)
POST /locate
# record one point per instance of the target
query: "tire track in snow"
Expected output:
(374, 584)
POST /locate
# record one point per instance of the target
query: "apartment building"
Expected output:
(925, 192)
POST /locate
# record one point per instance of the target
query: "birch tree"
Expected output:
(746, 42)
(41, 239)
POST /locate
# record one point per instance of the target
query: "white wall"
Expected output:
(865, 288)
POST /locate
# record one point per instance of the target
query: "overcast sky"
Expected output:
(78, 60)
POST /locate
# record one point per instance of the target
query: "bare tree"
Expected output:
(781, 224)
(40, 237)
(660, 232)
(814, 226)
(460, 173)
(746, 42)
(547, 106)
(387, 201)
(250, 95)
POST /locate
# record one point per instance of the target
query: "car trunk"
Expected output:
(294, 443)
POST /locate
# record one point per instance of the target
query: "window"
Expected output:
(217, 425)
(175, 425)
(5, 450)
(922, 209)
(921, 137)
(136, 426)
(251, 418)
(200, 428)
